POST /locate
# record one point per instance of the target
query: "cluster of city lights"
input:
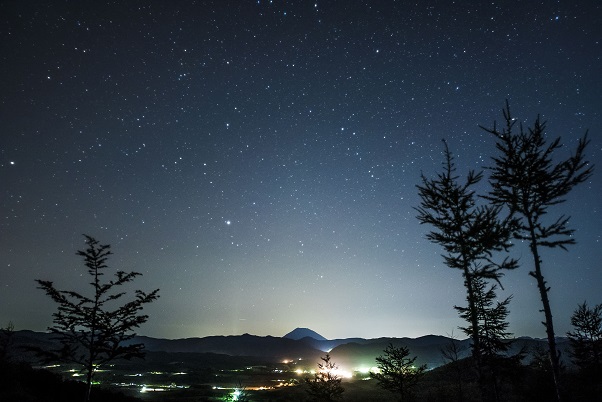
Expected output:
(235, 393)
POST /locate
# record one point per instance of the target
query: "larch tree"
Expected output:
(492, 317)
(326, 385)
(453, 353)
(473, 237)
(586, 337)
(586, 350)
(95, 329)
(493, 333)
(528, 179)
(398, 372)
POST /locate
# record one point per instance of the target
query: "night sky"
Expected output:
(258, 160)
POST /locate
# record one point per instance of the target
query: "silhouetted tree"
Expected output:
(92, 330)
(6, 336)
(492, 317)
(586, 353)
(586, 337)
(541, 382)
(470, 235)
(398, 373)
(325, 386)
(452, 353)
(493, 334)
(525, 179)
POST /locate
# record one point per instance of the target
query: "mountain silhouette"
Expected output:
(300, 333)
(309, 347)
(272, 348)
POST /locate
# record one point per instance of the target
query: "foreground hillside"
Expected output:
(450, 383)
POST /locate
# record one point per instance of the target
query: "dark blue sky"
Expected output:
(257, 160)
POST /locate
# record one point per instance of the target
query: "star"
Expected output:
(306, 127)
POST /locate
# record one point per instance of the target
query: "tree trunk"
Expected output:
(88, 385)
(543, 292)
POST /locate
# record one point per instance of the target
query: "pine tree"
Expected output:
(586, 337)
(326, 384)
(92, 330)
(398, 372)
(494, 337)
(492, 318)
(470, 234)
(452, 353)
(525, 179)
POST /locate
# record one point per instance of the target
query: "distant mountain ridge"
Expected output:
(273, 348)
(348, 352)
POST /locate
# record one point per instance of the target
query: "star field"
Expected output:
(257, 160)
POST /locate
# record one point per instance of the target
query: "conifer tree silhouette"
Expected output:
(470, 234)
(527, 180)
(93, 330)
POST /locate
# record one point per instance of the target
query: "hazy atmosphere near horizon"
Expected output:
(258, 160)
